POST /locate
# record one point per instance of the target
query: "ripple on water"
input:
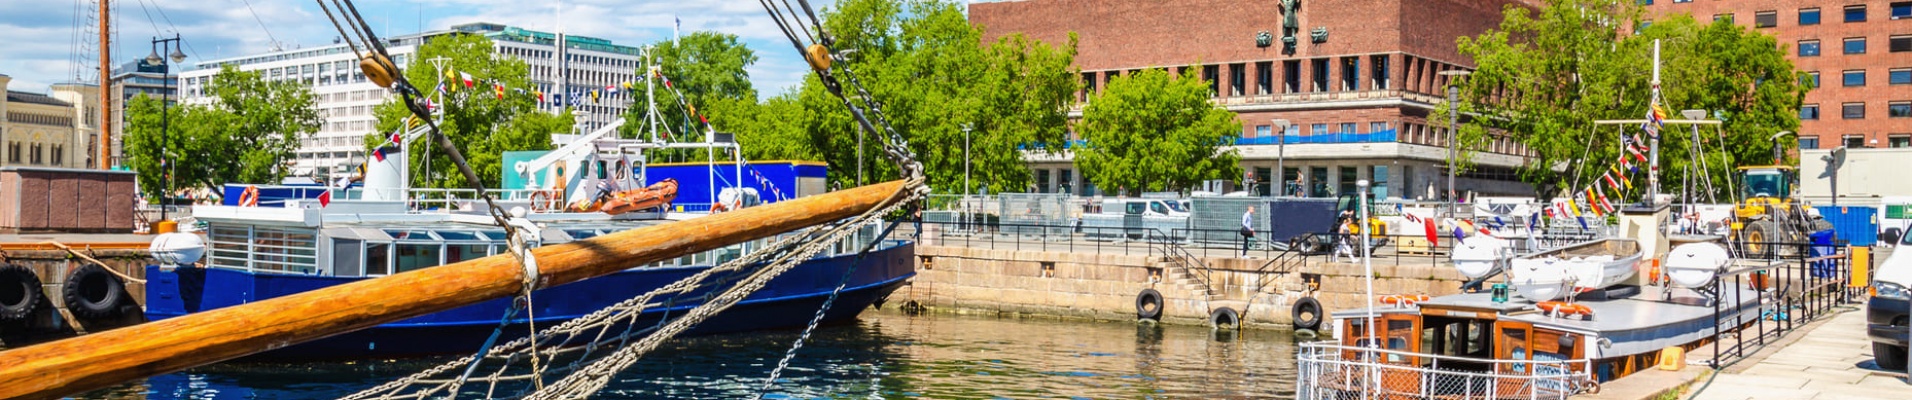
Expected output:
(884, 355)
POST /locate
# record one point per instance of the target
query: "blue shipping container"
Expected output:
(1857, 225)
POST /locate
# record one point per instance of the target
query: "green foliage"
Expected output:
(1149, 132)
(246, 135)
(922, 60)
(480, 122)
(1545, 78)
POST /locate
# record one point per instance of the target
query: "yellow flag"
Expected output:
(1573, 206)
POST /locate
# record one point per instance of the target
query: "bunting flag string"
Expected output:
(1655, 119)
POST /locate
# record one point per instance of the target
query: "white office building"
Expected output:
(345, 98)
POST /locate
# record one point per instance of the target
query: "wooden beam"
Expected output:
(78, 364)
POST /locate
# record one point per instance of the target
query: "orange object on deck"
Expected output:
(654, 196)
(1560, 308)
(1403, 300)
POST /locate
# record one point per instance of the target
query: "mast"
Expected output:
(1653, 150)
(105, 129)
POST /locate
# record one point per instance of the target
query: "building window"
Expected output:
(1902, 10)
(1809, 112)
(1855, 141)
(1809, 79)
(1377, 127)
(1682, 1)
(1380, 68)
(1808, 143)
(59, 154)
(1646, 2)
(1212, 74)
(1263, 131)
(1809, 48)
(1728, 17)
(1237, 79)
(1856, 45)
(1899, 140)
(13, 152)
(1853, 111)
(1856, 13)
(1318, 129)
(1898, 109)
(1321, 74)
(1855, 78)
(1088, 86)
(38, 155)
(1291, 76)
(1765, 19)
(1899, 43)
(1350, 73)
(1264, 78)
(1347, 127)
(1899, 76)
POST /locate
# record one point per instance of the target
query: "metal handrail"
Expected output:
(1560, 378)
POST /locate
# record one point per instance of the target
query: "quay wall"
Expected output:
(1104, 286)
(52, 267)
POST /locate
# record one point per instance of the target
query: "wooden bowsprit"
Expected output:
(75, 365)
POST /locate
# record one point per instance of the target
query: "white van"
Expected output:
(1886, 312)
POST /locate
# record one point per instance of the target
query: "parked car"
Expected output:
(1886, 313)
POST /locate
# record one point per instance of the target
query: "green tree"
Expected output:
(935, 76)
(1545, 77)
(248, 132)
(479, 120)
(1149, 132)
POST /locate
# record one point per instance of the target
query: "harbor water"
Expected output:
(885, 354)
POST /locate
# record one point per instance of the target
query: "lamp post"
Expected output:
(1281, 156)
(1453, 131)
(1776, 154)
(966, 175)
(172, 45)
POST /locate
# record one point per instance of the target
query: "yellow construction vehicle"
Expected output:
(1768, 212)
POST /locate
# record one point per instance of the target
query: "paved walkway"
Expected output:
(1831, 361)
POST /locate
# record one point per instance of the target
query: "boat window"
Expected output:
(346, 260)
(1398, 333)
(493, 235)
(457, 235)
(1476, 338)
(413, 256)
(497, 249)
(228, 246)
(1516, 341)
(409, 235)
(378, 258)
(461, 252)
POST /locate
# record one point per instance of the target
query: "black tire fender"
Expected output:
(1148, 304)
(1224, 317)
(1309, 307)
(92, 292)
(19, 292)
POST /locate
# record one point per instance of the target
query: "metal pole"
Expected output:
(1453, 133)
(1367, 264)
(1653, 157)
(1281, 156)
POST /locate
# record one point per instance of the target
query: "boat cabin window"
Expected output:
(378, 258)
(1514, 340)
(415, 256)
(346, 257)
(264, 248)
(461, 252)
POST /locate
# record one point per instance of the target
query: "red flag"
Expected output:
(379, 153)
(1432, 235)
(325, 199)
(398, 138)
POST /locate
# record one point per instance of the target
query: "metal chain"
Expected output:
(817, 319)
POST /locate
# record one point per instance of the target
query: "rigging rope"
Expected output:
(617, 327)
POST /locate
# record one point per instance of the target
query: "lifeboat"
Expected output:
(654, 196)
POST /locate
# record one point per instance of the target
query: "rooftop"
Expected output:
(35, 98)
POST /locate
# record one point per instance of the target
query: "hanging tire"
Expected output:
(91, 292)
(19, 292)
(1307, 314)
(1224, 318)
(1148, 304)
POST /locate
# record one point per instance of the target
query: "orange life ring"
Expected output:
(540, 200)
(1402, 300)
(1560, 308)
(249, 198)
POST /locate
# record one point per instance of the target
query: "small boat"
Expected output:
(656, 195)
(1479, 256)
(1553, 274)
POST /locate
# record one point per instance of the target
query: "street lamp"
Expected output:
(1776, 154)
(1281, 156)
(1453, 130)
(164, 103)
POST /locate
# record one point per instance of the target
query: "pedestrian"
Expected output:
(1247, 229)
(1344, 238)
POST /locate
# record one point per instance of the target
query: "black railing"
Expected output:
(1802, 286)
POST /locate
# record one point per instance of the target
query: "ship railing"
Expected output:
(436, 199)
(1332, 371)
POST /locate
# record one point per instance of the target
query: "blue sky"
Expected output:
(40, 36)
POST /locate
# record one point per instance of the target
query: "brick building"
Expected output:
(1860, 51)
(1357, 85)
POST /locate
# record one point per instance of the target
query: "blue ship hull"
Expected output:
(789, 301)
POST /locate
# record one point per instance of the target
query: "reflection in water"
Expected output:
(884, 355)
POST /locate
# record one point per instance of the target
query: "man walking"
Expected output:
(1247, 229)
